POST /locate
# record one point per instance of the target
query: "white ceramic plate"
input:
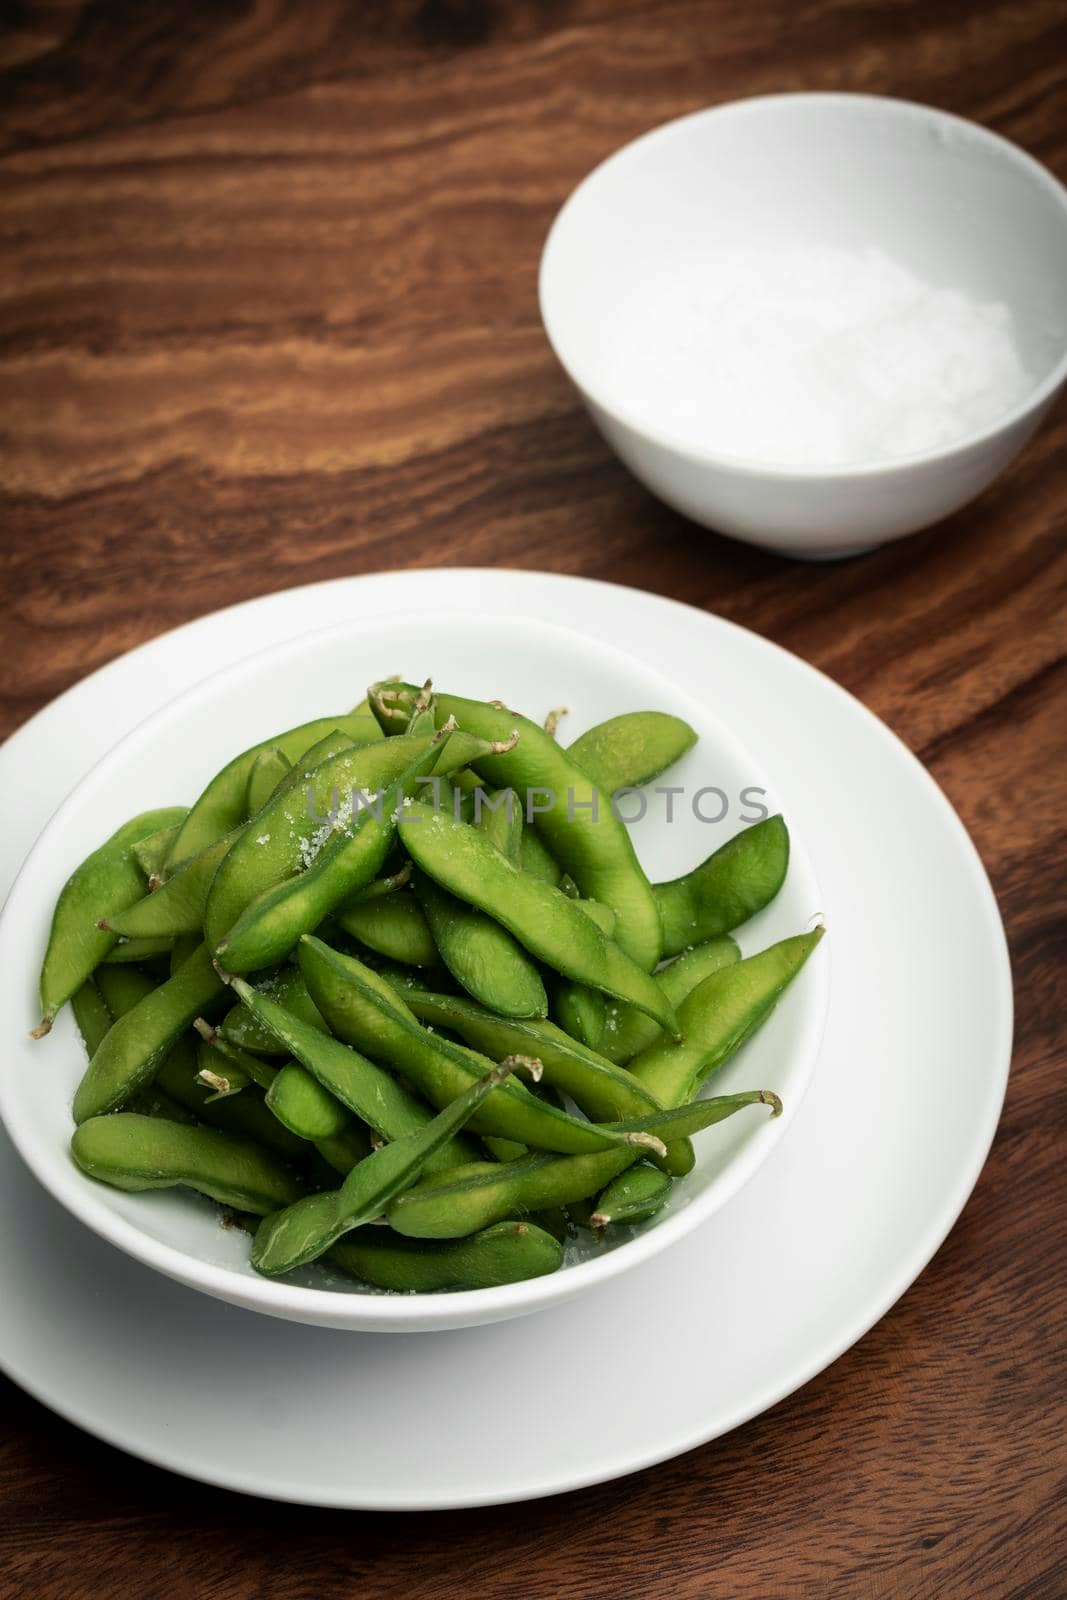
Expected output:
(834, 1227)
(533, 666)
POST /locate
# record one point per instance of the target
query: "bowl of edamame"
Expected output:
(412, 1002)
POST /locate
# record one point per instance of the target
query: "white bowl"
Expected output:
(169, 757)
(948, 200)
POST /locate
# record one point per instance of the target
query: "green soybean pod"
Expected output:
(178, 905)
(220, 807)
(91, 1015)
(130, 952)
(632, 1197)
(499, 815)
(573, 817)
(242, 1026)
(345, 1150)
(627, 1031)
(307, 1109)
(536, 859)
(306, 1230)
(244, 1114)
(718, 1016)
(482, 956)
(151, 853)
(582, 1012)
(184, 945)
(268, 929)
(549, 925)
(452, 1205)
(367, 1012)
(137, 1042)
(134, 1152)
(630, 750)
(366, 1089)
(268, 770)
(510, 1252)
(392, 925)
(121, 988)
(105, 882)
(738, 880)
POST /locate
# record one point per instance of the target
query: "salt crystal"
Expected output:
(815, 357)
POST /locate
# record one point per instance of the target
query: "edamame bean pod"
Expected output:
(301, 1103)
(365, 1088)
(481, 955)
(628, 751)
(365, 1011)
(347, 1149)
(220, 808)
(632, 1197)
(307, 1229)
(269, 769)
(718, 1016)
(177, 906)
(242, 1027)
(510, 1252)
(581, 1012)
(151, 853)
(244, 1114)
(627, 1031)
(106, 882)
(536, 859)
(543, 920)
(394, 926)
(137, 1042)
(350, 857)
(91, 1015)
(459, 1203)
(130, 1151)
(573, 817)
(742, 877)
(122, 988)
(499, 815)
(130, 952)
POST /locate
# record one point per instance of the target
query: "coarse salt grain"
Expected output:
(815, 357)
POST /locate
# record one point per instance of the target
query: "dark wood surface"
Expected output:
(268, 315)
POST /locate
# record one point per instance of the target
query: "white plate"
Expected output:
(835, 1226)
(528, 664)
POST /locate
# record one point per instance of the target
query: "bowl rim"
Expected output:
(744, 466)
(359, 1311)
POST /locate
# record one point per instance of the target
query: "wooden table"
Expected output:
(268, 315)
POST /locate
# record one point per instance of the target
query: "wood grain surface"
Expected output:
(268, 315)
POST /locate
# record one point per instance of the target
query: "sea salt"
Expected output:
(815, 357)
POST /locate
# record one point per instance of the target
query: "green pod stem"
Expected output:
(365, 1088)
(630, 750)
(107, 881)
(271, 925)
(366, 1011)
(742, 877)
(242, 1026)
(135, 1152)
(718, 1016)
(220, 807)
(573, 817)
(178, 905)
(498, 814)
(243, 1114)
(91, 1015)
(385, 885)
(392, 925)
(136, 1043)
(306, 1230)
(453, 1205)
(270, 768)
(553, 928)
(131, 952)
(151, 853)
(239, 1066)
(303, 1106)
(632, 1197)
(482, 956)
(508, 1253)
(536, 859)
(627, 1031)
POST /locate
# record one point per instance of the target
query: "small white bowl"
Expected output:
(169, 757)
(946, 199)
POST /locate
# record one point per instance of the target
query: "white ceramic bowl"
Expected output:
(948, 200)
(169, 757)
